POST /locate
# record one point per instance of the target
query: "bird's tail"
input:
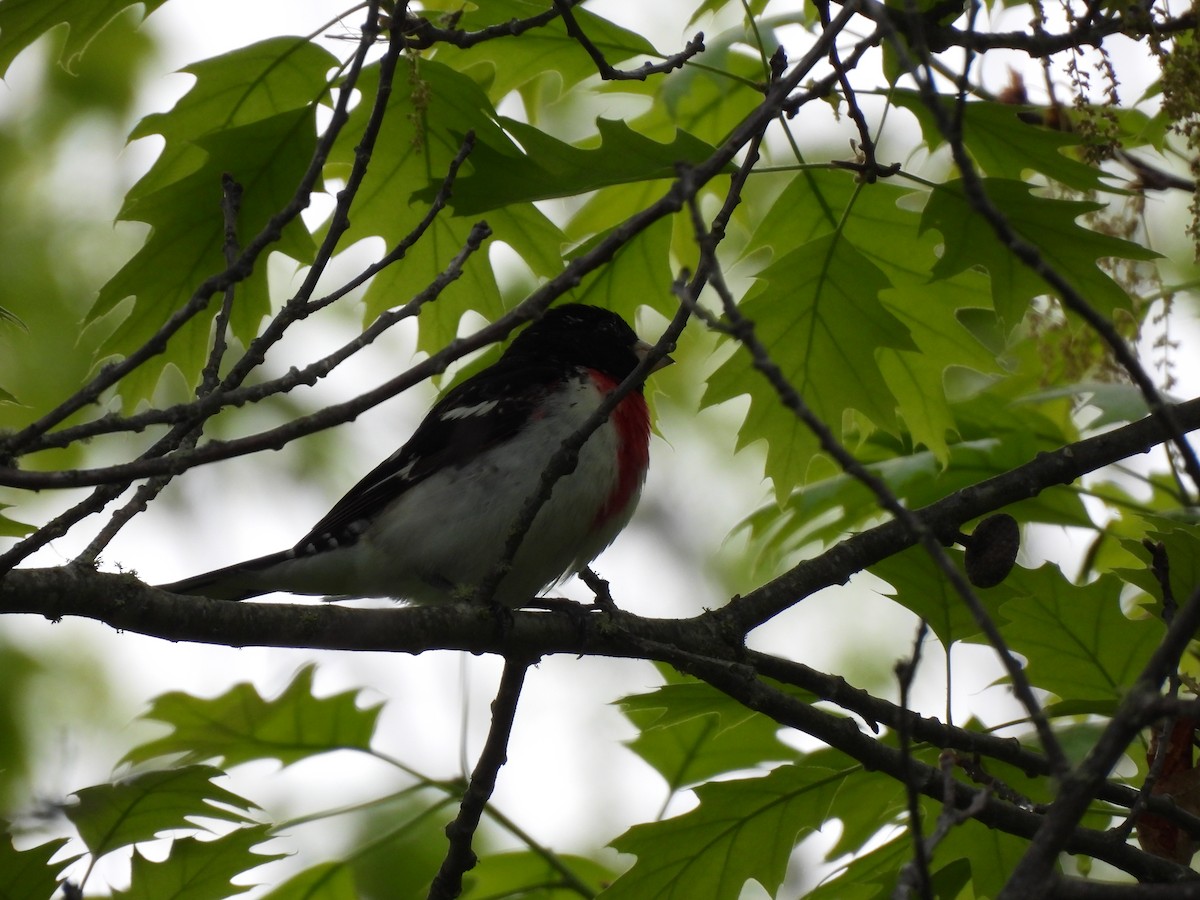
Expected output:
(238, 582)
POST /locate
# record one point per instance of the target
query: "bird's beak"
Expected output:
(641, 348)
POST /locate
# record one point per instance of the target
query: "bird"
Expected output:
(430, 524)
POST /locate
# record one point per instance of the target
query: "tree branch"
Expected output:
(1036, 45)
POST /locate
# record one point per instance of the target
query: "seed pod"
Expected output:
(992, 550)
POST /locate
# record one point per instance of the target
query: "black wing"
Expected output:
(483, 411)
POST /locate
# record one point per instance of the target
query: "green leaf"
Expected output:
(138, 808)
(875, 218)
(866, 802)
(992, 853)
(199, 870)
(921, 587)
(238, 88)
(1078, 643)
(1003, 145)
(818, 314)
(326, 881)
(240, 725)
(1117, 403)
(707, 101)
(250, 114)
(429, 109)
(753, 8)
(806, 206)
(742, 829)
(24, 21)
(551, 168)
(879, 223)
(29, 873)
(1182, 547)
(640, 273)
(1046, 223)
(267, 158)
(607, 208)
(868, 875)
(11, 527)
(531, 876)
(988, 854)
(930, 312)
(690, 732)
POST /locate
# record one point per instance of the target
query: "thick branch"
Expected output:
(127, 604)
(844, 735)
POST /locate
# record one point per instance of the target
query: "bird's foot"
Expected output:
(580, 613)
(599, 587)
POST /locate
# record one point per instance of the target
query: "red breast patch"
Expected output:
(631, 419)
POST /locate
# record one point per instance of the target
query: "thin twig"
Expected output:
(398, 252)
(231, 203)
(607, 71)
(420, 33)
(1032, 43)
(296, 308)
(869, 165)
(460, 858)
(948, 819)
(1160, 567)
(915, 874)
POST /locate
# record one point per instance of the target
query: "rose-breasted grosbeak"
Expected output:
(431, 522)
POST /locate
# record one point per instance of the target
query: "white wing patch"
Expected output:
(466, 412)
(400, 474)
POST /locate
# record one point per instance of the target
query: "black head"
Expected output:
(580, 335)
